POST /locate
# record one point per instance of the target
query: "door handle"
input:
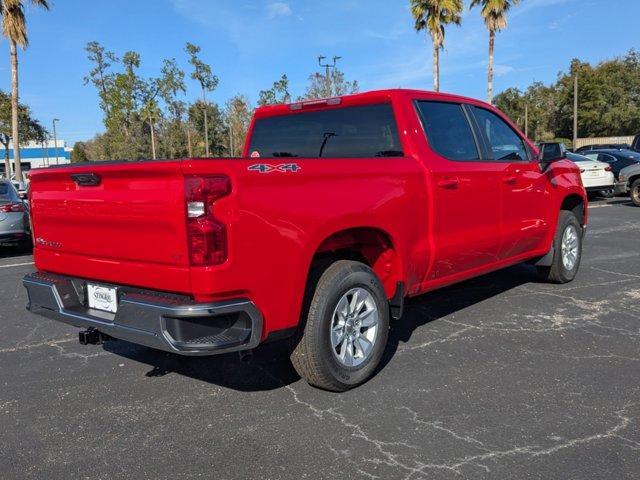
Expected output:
(449, 183)
(511, 179)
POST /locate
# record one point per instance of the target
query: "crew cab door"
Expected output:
(523, 186)
(465, 192)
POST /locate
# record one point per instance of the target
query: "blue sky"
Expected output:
(250, 43)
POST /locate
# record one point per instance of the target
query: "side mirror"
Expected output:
(546, 161)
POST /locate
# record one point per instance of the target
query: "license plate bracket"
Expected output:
(102, 297)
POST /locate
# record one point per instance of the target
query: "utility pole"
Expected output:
(575, 106)
(328, 67)
(55, 138)
(45, 152)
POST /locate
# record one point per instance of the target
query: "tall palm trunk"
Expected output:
(14, 111)
(7, 162)
(436, 67)
(153, 138)
(206, 124)
(189, 142)
(492, 41)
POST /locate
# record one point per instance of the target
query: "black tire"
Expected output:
(558, 272)
(634, 192)
(312, 356)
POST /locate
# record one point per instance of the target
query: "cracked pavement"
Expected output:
(498, 377)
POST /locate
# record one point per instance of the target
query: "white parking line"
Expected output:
(17, 265)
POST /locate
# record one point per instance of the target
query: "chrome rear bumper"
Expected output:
(168, 322)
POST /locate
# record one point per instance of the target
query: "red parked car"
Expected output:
(338, 211)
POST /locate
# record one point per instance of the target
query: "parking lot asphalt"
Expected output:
(499, 377)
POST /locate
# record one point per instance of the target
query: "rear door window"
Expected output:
(348, 132)
(603, 157)
(506, 145)
(448, 131)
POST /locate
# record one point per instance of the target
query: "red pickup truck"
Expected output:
(337, 211)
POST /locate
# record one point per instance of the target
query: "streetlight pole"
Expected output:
(575, 107)
(55, 138)
(328, 67)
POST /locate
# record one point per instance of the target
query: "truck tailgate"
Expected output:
(132, 215)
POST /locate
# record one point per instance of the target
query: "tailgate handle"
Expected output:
(86, 179)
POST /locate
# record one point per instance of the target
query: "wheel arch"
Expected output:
(575, 203)
(372, 246)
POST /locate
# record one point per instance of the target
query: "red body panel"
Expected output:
(131, 228)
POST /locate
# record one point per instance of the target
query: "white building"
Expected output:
(38, 155)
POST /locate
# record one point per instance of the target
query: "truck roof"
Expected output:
(363, 98)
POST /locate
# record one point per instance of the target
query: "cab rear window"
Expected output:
(347, 132)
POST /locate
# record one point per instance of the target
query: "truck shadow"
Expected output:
(11, 251)
(270, 368)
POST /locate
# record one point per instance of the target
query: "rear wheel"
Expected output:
(567, 246)
(346, 328)
(635, 192)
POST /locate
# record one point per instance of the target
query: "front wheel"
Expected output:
(635, 193)
(346, 328)
(567, 246)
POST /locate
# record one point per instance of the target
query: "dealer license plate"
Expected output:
(102, 298)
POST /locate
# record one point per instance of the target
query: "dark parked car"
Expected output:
(635, 145)
(609, 146)
(618, 159)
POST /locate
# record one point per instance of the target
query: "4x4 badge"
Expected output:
(266, 168)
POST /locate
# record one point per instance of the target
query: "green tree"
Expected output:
(433, 16)
(494, 13)
(100, 75)
(332, 83)
(608, 98)
(218, 134)
(237, 114)
(278, 93)
(30, 129)
(79, 153)
(208, 82)
(14, 28)
(126, 100)
(172, 86)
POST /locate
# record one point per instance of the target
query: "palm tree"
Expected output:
(433, 15)
(494, 13)
(14, 27)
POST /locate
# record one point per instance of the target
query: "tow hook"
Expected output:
(92, 336)
(246, 356)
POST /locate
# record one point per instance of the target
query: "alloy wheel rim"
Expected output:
(354, 327)
(569, 248)
(635, 193)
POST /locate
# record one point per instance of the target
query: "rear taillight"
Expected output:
(207, 236)
(607, 168)
(11, 207)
